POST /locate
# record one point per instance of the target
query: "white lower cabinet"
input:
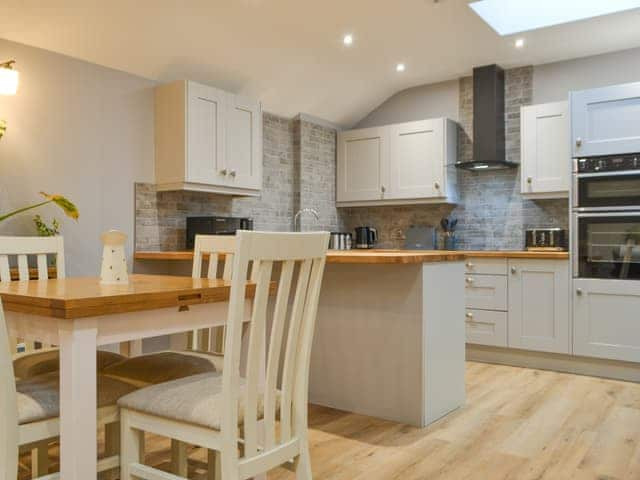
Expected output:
(606, 319)
(518, 304)
(539, 305)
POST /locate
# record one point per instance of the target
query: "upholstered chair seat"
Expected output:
(164, 367)
(47, 361)
(195, 400)
(38, 398)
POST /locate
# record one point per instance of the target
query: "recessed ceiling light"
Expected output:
(520, 43)
(513, 16)
(400, 67)
(348, 39)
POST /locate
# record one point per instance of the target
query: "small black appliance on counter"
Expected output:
(215, 226)
(366, 237)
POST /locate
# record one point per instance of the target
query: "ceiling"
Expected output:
(289, 53)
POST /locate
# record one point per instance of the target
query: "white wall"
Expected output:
(80, 130)
(553, 81)
(417, 103)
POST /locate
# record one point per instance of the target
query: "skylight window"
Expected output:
(514, 16)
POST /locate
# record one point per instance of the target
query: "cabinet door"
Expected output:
(362, 163)
(416, 160)
(606, 120)
(546, 156)
(539, 305)
(243, 146)
(606, 319)
(205, 134)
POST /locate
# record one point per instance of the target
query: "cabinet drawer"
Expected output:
(486, 327)
(486, 292)
(486, 266)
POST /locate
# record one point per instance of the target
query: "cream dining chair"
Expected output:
(204, 348)
(29, 412)
(37, 359)
(207, 410)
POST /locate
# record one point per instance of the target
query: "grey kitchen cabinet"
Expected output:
(518, 303)
(404, 163)
(605, 120)
(207, 140)
(606, 319)
(539, 305)
(545, 160)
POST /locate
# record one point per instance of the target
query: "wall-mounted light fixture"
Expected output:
(9, 79)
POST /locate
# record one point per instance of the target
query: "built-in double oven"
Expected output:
(606, 217)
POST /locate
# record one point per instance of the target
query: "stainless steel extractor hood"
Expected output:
(488, 121)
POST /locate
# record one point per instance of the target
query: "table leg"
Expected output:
(78, 399)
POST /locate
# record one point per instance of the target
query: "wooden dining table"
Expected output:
(81, 314)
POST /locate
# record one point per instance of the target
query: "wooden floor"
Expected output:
(518, 424)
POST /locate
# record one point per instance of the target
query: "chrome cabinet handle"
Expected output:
(469, 315)
(579, 292)
(232, 173)
(437, 185)
(529, 180)
(578, 142)
(514, 270)
(469, 280)
(223, 171)
(383, 188)
(470, 265)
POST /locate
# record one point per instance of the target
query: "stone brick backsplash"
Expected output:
(491, 214)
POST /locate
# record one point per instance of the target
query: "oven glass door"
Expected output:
(608, 245)
(611, 191)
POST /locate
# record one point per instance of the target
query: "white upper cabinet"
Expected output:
(545, 152)
(606, 120)
(243, 159)
(207, 140)
(398, 164)
(362, 157)
(417, 169)
(204, 130)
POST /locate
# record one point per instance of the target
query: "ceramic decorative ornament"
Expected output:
(114, 260)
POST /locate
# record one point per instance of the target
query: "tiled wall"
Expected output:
(317, 171)
(492, 214)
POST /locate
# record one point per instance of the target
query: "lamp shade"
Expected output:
(8, 81)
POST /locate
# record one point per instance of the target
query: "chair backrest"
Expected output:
(8, 407)
(302, 257)
(217, 247)
(22, 248)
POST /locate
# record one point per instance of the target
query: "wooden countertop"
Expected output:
(80, 297)
(375, 256)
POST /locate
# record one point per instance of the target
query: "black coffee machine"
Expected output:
(366, 237)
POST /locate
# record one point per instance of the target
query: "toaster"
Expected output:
(554, 239)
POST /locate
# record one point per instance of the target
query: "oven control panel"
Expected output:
(612, 163)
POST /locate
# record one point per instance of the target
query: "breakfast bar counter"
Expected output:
(390, 333)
